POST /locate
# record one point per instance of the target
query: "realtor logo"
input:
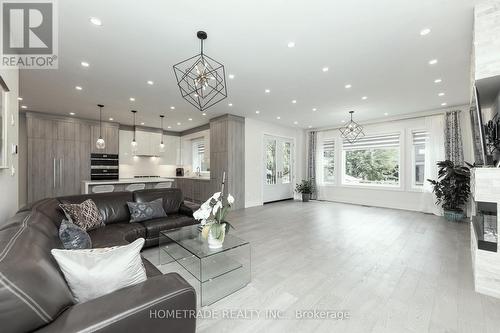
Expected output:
(29, 34)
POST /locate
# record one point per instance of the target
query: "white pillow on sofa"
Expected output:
(96, 272)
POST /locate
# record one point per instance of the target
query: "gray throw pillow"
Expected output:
(73, 237)
(143, 211)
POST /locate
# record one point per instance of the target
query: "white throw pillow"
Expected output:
(96, 272)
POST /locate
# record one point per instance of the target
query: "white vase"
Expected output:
(214, 243)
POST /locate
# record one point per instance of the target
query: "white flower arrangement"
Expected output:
(212, 216)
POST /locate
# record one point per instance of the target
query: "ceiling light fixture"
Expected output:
(162, 145)
(291, 44)
(190, 119)
(348, 86)
(100, 144)
(204, 114)
(178, 124)
(441, 94)
(364, 98)
(314, 109)
(257, 112)
(295, 122)
(438, 81)
(352, 130)
(325, 69)
(172, 108)
(444, 104)
(133, 144)
(310, 126)
(24, 107)
(150, 82)
(267, 91)
(433, 62)
(425, 32)
(294, 102)
(19, 98)
(111, 119)
(85, 64)
(201, 79)
(386, 114)
(143, 123)
(132, 99)
(230, 104)
(231, 76)
(169, 127)
(95, 21)
(278, 117)
(78, 88)
(72, 113)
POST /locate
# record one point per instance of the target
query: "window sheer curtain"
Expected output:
(312, 160)
(434, 152)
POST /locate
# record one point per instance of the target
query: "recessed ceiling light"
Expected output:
(294, 101)
(386, 114)
(78, 88)
(325, 69)
(295, 122)
(278, 117)
(230, 104)
(204, 114)
(267, 91)
(132, 99)
(441, 94)
(111, 119)
(342, 121)
(291, 44)
(169, 126)
(438, 81)
(425, 31)
(231, 76)
(433, 62)
(142, 123)
(310, 126)
(150, 82)
(85, 64)
(172, 108)
(314, 109)
(444, 104)
(19, 98)
(24, 107)
(364, 98)
(190, 119)
(257, 112)
(72, 113)
(95, 21)
(348, 86)
(178, 124)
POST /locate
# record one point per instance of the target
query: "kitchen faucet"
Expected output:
(198, 171)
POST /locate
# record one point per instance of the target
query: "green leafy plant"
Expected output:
(452, 188)
(306, 187)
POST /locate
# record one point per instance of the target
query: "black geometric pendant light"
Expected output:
(352, 130)
(201, 79)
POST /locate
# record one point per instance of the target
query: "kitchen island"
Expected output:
(188, 185)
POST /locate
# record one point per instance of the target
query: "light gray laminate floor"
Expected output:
(393, 270)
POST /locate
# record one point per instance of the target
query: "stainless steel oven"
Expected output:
(104, 167)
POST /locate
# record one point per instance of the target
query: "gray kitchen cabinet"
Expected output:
(58, 155)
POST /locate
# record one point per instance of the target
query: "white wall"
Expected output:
(9, 179)
(254, 156)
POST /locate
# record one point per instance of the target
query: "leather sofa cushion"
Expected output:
(116, 234)
(172, 198)
(32, 288)
(113, 206)
(151, 269)
(50, 208)
(153, 227)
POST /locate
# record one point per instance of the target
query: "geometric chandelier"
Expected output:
(352, 130)
(201, 79)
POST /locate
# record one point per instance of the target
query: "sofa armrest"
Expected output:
(185, 210)
(145, 307)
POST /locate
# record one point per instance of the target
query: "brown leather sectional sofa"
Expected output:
(35, 297)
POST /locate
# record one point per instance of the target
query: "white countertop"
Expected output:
(138, 180)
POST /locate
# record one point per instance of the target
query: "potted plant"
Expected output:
(306, 188)
(452, 189)
(212, 216)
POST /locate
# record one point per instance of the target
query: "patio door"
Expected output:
(278, 168)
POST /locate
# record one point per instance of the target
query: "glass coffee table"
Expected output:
(219, 272)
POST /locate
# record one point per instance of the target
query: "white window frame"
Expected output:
(401, 158)
(413, 187)
(193, 151)
(321, 157)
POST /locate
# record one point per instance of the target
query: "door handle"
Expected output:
(54, 171)
(60, 172)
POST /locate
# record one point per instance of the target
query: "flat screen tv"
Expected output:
(477, 125)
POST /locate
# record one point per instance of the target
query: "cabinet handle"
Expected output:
(60, 172)
(54, 170)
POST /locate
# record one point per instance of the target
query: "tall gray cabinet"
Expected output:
(59, 154)
(227, 154)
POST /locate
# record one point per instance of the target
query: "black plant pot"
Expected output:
(306, 197)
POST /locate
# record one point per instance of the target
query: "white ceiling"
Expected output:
(373, 45)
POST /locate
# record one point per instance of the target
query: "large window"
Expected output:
(372, 160)
(198, 149)
(328, 161)
(419, 139)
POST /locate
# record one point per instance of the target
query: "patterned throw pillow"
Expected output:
(73, 237)
(85, 215)
(142, 211)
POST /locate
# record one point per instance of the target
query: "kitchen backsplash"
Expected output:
(150, 166)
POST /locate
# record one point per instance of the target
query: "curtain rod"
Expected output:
(413, 115)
